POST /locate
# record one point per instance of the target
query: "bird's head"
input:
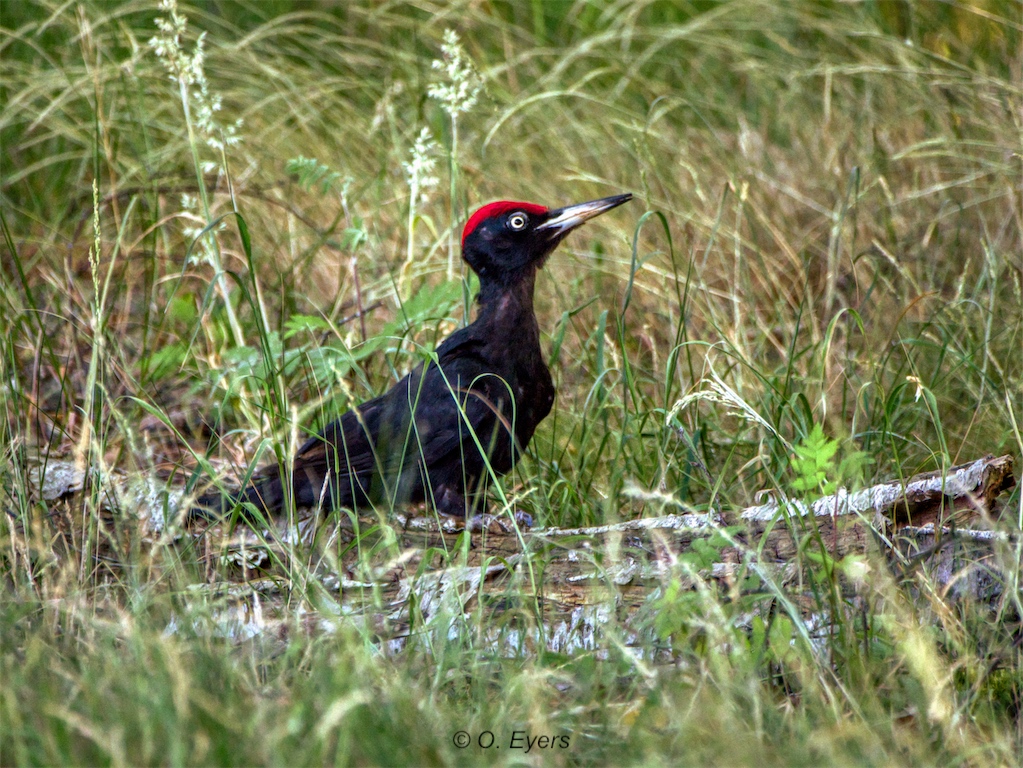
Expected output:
(506, 238)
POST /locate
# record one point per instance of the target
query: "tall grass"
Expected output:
(835, 249)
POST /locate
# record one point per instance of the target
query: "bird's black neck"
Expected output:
(508, 303)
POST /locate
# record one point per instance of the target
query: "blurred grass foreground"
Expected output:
(224, 223)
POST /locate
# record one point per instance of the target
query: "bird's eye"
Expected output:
(517, 221)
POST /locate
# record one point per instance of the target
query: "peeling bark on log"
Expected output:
(566, 583)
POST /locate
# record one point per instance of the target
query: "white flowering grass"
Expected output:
(420, 170)
(457, 91)
(200, 106)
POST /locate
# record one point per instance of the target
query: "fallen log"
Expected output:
(399, 573)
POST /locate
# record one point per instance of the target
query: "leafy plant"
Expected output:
(815, 466)
(310, 172)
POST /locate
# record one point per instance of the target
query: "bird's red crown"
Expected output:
(496, 209)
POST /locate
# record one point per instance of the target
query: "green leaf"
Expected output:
(297, 324)
(165, 360)
(815, 462)
(310, 172)
(181, 309)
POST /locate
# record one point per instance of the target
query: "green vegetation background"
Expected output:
(829, 290)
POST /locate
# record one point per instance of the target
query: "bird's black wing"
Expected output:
(464, 419)
(376, 452)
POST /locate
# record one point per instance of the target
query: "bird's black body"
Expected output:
(432, 436)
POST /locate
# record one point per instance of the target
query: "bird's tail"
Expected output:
(262, 498)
